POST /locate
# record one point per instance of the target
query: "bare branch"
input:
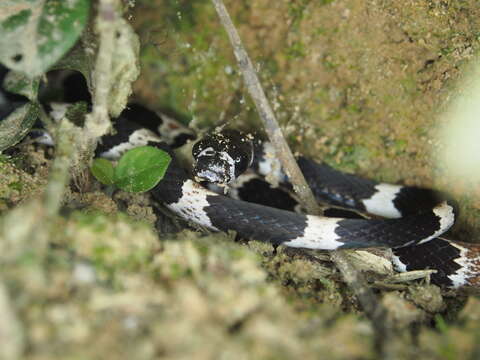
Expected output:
(374, 310)
(266, 113)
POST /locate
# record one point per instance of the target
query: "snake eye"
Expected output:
(238, 159)
(207, 152)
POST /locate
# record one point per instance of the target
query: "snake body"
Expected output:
(412, 219)
(415, 218)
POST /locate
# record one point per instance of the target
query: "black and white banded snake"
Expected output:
(412, 220)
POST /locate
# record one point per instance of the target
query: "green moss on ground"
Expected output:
(18, 184)
(187, 296)
(108, 288)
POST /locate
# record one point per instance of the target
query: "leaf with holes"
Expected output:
(17, 124)
(103, 171)
(141, 169)
(35, 34)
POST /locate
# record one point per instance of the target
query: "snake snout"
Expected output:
(212, 169)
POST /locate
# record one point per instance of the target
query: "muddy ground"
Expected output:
(361, 85)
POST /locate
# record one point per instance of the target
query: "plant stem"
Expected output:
(98, 123)
(59, 171)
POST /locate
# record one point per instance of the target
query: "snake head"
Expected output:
(214, 167)
(221, 157)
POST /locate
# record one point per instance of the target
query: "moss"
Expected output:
(104, 287)
(296, 50)
(15, 183)
(453, 341)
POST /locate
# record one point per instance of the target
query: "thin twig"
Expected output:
(266, 113)
(374, 310)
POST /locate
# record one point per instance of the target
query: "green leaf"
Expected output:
(103, 171)
(16, 125)
(35, 34)
(141, 169)
(18, 83)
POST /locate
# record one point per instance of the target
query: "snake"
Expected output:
(408, 220)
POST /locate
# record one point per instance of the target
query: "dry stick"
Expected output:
(266, 114)
(376, 312)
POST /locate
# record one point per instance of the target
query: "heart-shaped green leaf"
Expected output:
(141, 169)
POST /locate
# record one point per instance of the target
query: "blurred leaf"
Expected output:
(15, 126)
(141, 169)
(125, 63)
(103, 171)
(18, 83)
(35, 34)
(79, 58)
